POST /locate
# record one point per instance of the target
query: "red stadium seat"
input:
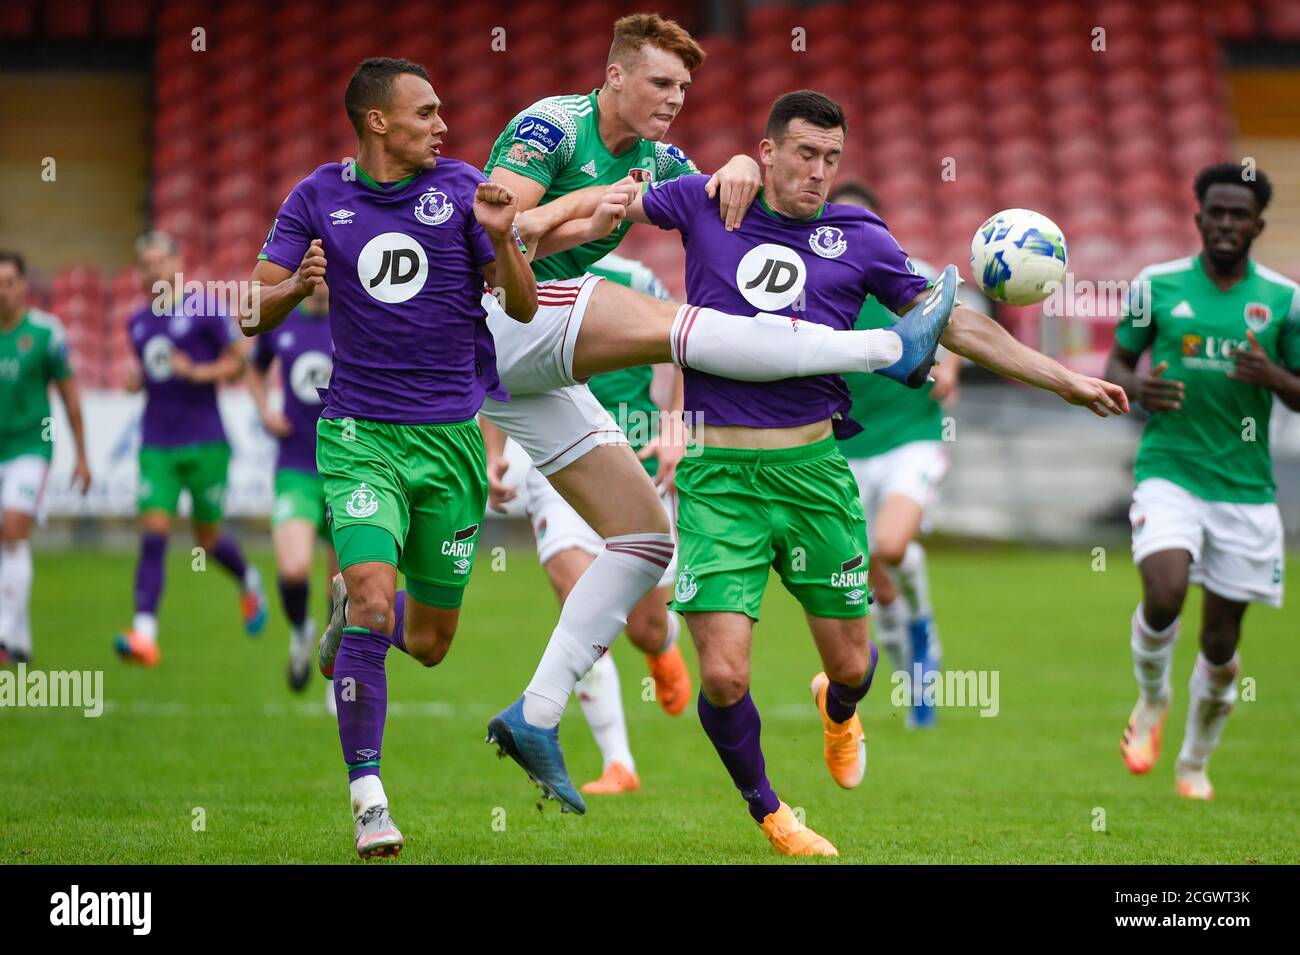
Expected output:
(18, 18)
(1232, 19)
(69, 19)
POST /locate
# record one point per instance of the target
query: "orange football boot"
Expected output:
(672, 680)
(790, 837)
(134, 648)
(616, 779)
(1192, 782)
(1140, 745)
(843, 745)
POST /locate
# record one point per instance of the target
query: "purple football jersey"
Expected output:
(813, 270)
(402, 262)
(179, 412)
(306, 353)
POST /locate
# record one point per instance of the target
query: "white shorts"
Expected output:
(22, 483)
(537, 356)
(553, 417)
(1237, 549)
(557, 526)
(915, 470)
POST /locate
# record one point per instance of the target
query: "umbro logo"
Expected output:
(342, 217)
(1182, 310)
(589, 168)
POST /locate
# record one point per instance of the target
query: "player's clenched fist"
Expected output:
(311, 271)
(494, 207)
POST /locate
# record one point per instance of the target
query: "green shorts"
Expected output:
(299, 496)
(199, 468)
(409, 495)
(741, 512)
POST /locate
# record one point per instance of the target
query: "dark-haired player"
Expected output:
(186, 344)
(409, 238)
(33, 355)
(771, 489)
(1224, 336)
(549, 155)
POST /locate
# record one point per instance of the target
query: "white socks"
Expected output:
(594, 614)
(1213, 691)
(146, 624)
(674, 623)
(771, 347)
(913, 577)
(15, 594)
(601, 698)
(1153, 651)
(366, 791)
(891, 633)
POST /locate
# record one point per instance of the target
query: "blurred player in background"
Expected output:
(899, 461)
(186, 345)
(566, 546)
(409, 238)
(33, 355)
(771, 489)
(305, 353)
(1224, 336)
(564, 157)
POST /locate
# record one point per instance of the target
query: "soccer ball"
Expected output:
(1016, 254)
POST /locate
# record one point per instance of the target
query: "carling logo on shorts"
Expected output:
(362, 503)
(852, 574)
(461, 546)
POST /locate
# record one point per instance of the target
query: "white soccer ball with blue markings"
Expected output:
(1018, 257)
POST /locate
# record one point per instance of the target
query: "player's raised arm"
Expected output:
(494, 208)
(274, 291)
(603, 218)
(987, 343)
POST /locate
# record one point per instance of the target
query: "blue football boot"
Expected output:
(920, 330)
(538, 752)
(925, 651)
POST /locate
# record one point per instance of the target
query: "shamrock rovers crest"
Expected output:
(687, 586)
(362, 503)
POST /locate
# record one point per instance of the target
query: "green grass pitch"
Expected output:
(217, 729)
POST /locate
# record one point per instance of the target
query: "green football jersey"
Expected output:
(556, 142)
(625, 393)
(32, 354)
(890, 414)
(1216, 445)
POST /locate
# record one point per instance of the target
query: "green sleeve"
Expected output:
(542, 149)
(1288, 349)
(672, 163)
(57, 362)
(1137, 326)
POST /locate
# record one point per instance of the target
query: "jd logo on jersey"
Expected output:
(771, 277)
(392, 267)
(310, 371)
